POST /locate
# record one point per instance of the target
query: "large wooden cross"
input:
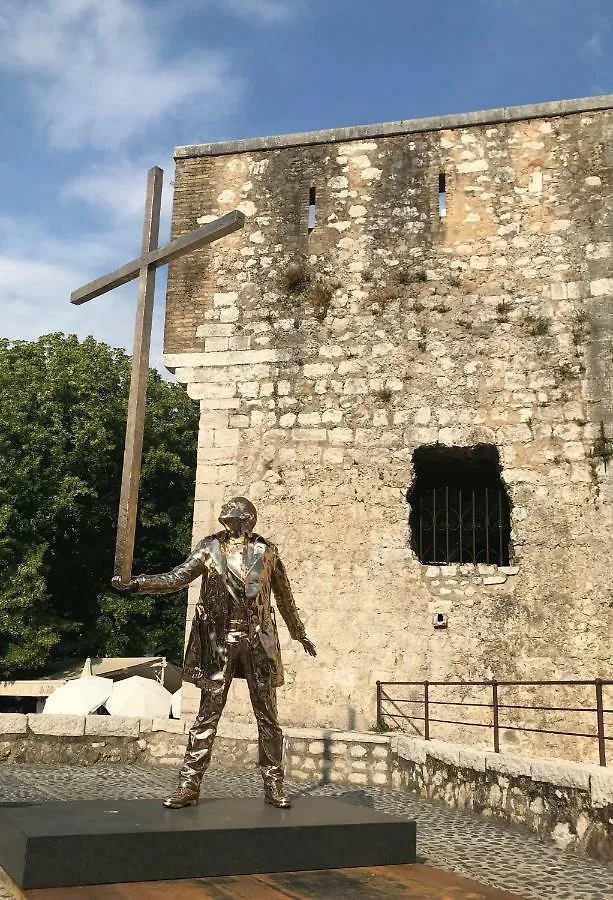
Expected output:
(143, 268)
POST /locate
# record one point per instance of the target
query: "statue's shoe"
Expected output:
(275, 796)
(183, 796)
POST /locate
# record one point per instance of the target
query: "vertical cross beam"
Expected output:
(144, 268)
(128, 501)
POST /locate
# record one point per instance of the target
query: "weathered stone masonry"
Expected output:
(398, 328)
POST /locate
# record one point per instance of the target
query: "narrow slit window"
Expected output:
(312, 209)
(442, 195)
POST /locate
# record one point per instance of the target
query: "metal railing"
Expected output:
(494, 706)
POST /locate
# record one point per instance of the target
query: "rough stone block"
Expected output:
(412, 749)
(229, 437)
(445, 752)
(214, 329)
(71, 726)
(358, 778)
(112, 726)
(338, 748)
(316, 748)
(494, 579)
(239, 421)
(170, 748)
(216, 343)
(13, 723)
(472, 759)
(209, 421)
(601, 786)
(309, 419)
(172, 726)
(340, 435)
(245, 731)
(358, 752)
(560, 772)
(309, 434)
(601, 287)
(380, 778)
(204, 390)
(507, 764)
(240, 342)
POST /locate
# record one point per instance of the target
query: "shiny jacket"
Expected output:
(206, 651)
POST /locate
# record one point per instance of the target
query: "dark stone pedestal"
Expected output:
(107, 841)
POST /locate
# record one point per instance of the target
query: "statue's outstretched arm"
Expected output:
(167, 582)
(287, 606)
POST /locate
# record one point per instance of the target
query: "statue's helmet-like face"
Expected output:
(238, 516)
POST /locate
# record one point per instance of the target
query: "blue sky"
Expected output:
(94, 93)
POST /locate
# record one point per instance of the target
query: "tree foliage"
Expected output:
(62, 425)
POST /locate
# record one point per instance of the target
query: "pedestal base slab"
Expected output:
(104, 841)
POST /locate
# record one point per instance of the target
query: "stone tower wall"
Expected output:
(398, 328)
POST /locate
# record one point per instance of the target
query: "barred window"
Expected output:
(460, 511)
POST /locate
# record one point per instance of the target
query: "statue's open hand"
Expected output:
(131, 586)
(309, 647)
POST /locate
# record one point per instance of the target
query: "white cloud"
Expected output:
(262, 11)
(102, 73)
(38, 274)
(117, 190)
(593, 48)
(99, 71)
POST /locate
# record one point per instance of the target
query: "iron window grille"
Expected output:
(460, 511)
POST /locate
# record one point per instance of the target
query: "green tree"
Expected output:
(62, 423)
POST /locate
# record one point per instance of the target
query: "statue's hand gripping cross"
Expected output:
(143, 268)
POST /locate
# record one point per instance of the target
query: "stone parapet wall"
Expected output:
(309, 754)
(337, 756)
(86, 740)
(571, 803)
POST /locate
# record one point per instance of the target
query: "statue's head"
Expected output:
(238, 516)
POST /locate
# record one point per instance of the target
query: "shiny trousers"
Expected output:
(264, 703)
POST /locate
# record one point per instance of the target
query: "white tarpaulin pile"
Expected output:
(79, 697)
(175, 708)
(137, 696)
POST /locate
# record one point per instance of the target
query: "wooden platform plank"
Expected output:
(413, 882)
(430, 882)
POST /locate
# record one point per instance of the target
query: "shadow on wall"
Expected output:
(326, 759)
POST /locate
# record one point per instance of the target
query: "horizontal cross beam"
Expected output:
(193, 240)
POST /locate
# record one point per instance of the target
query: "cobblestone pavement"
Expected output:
(501, 856)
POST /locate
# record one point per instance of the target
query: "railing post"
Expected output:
(426, 713)
(600, 720)
(495, 715)
(379, 713)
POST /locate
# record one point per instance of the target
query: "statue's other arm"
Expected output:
(179, 577)
(285, 600)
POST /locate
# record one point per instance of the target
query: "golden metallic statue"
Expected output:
(233, 633)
